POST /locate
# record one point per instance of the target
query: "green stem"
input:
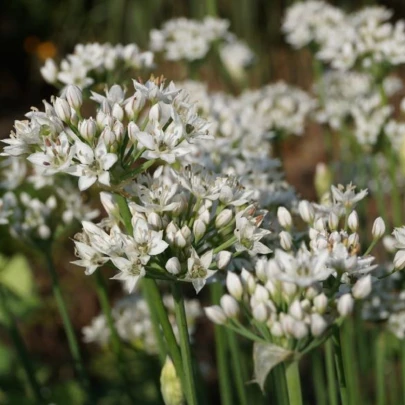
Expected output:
(330, 373)
(184, 343)
(238, 367)
(380, 368)
(211, 7)
(379, 187)
(70, 334)
(20, 348)
(340, 368)
(115, 339)
(292, 375)
(395, 191)
(318, 377)
(280, 384)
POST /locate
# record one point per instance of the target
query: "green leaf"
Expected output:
(16, 275)
(265, 357)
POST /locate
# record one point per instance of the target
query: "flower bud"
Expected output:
(49, 71)
(319, 225)
(353, 239)
(299, 330)
(199, 229)
(88, 129)
(261, 294)
(117, 112)
(323, 179)
(74, 96)
(215, 314)
(285, 240)
(248, 281)
(155, 221)
(155, 112)
(234, 285)
(223, 259)
(179, 239)
(276, 329)
(135, 104)
(170, 384)
(173, 266)
(296, 311)
(306, 211)
(320, 303)
(284, 217)
(333, 221)
(389, 243)
(225, 195)
(289, 289)
(318, 325)
(133, 129)
(62, 109)
(399, 260)
(345, 305)
(260, 313)
(230, 306)
(378, 228)
(362, 288)
(353, 221)
(223, 218)
(186, 231)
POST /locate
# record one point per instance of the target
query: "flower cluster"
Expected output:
(293, 298)
(132, 322)
(186, 225)
(189, 40)
(90, 64)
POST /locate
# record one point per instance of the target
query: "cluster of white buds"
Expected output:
(293, 299)
(187, 224)
(90, 62)
(150, 124)
(189, 40)
(132, 322)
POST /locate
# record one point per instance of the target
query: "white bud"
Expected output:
(284, 217)
(362, 288)
(179, 240)
(345, 305)
(62, 109)
(225, 195)
(319, 225)
(320, 303)
(306, 211)
(353, 239)
(234, 285)
(261, 294)
(299, 330)
(289, 289)
(276, 329)
(399, 260)
(318, 325)
(223, 259)
(260, 270)
(389, 243)
(117, 112)
(186, 231)
(135, 104)
(199, 229)
(118, 130)
(74, 96)
(353, 221)
(215, 314)
(230, 306)
(285, 240)
(49, 71)
(88, 129)
(155, 112)
(173, 265)
(296, 311)
(133, 129)
(260, 313)
(378, 228)
(223, 218)
(155, 221)
(248, 281)
(170, 384)
(333, 221)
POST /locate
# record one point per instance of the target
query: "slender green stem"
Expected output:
(340, 368)
(379, 187)
(330, 373)
(221, 352)
(125, 213)
(70, 334)
(380, 368)
(115, 339)
(292, 375)
(395, 191)
(146, 289)
(280, 384)
(318, 377)
(238, 367)
(20, 348)
(184, 343)
(211, 7)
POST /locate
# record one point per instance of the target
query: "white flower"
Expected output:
(90, 258)
(131, 269)
(248, 236)
(49, 71)
(94, 165)
(198, 269)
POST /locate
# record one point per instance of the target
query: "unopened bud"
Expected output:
(117, 112)
(173, 266)
(248, 281)
(362, 288)
(306, 211)
(285, 240)
(74, 96)
(230, 306)
(378, 228)
(284, 217)
(320, 303)
(223, 218)
(333, 221)
(88, 129)
(323, 179)
(234, 285)
(215, 314)
(170, 384)
(353, 221)
(260, 312)
(318, 325)
(345, 305)
(296, 311)
(199, 229)
(399, 260)
(62, 109)
(223, 259)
